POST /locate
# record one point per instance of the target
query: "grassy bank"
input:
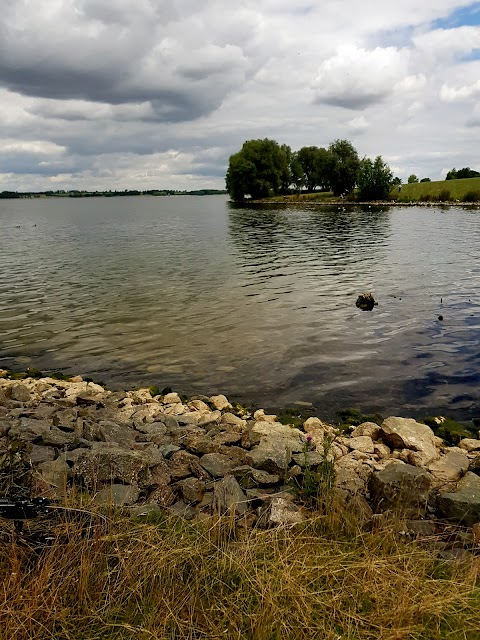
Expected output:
(327, 578)
(466, 190)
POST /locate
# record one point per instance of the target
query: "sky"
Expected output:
(146, 94)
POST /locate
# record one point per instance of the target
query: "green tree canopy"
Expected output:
(412, 179)
(425, 180)
(343, 168)
(260, 169)
(374, 179)
(466, 172)
(315, 165)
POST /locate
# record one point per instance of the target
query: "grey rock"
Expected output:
(420, 527)
(153, 429)
(462, 505)
(233, 420)
(112, 432)
(146, 511)
(370, 429)
(117, 495)
(402, 488)
(182, 464)
(20, 393)
(5, 427)
(229, 497)
(111, 463)
(163, 496)
(55, 474)
(449, 468)
(167, 450)
(160, 475)
(309, 458)
(364, 444)
(182, 510)
(29, 429)
(216, 464)
(271, 456)
(54, 437)
(40, 454)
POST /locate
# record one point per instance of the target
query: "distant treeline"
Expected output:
(109, 194)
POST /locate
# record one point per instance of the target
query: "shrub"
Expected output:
(471, 196)
(444, 196)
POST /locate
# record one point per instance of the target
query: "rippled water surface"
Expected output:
(192, 293)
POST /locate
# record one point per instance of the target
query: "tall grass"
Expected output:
(326, 579)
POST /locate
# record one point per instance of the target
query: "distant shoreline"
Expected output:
(29, 195)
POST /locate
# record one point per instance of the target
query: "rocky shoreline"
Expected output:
(203, 456)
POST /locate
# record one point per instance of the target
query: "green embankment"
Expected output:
(464, 190)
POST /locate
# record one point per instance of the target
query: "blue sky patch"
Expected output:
(465, 16)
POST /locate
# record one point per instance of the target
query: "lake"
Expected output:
(257, 303)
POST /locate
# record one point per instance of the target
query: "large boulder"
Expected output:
(449, 468)
(406, 433)
(402, 488)
(112, 464)
(277, 443)
(462, 505)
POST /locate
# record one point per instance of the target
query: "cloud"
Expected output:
(149, 93)
(355, 78)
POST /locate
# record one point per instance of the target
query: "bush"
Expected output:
(444, 196)
(471, 196)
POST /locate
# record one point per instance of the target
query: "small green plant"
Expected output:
(354, 417)
(450, 431)
(154, 390)
(315, 486)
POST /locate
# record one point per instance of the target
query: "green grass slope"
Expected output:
(465, 190)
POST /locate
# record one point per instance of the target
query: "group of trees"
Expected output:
(466, 172)
(265, 168)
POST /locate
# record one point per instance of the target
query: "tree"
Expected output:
(374, 179)
(425, 180)
(315, 165)
(343, 168)
(466, 172)
(259, 170)
(412, 179)
(396, 181)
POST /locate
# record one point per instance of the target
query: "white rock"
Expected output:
(220, 402)
(469, 444)
(406, 433)
(361, 443)
(171, 398)
(370, 429)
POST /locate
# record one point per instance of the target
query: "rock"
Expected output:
(54, 437)
(260, 416)
(370, 429)
(420, 527)
(228, 497)
(192, 490)
(475, 465)
(117, 495)
(29, 429)
(309, 458)
(469, 444)
(147, 511)
(182, 464)
(402, 488)
(112, 432)
(281, 512)
(160, 475)
(264, 478)
(55, 474)
(182, 510)
(111, 463)
(4, 428)
(199, 443)
(171, 398)
(406, 433)
(20, 393)
(199, 405)
(40, 454)
(277, 443)
(163, 496)
(231, 419)
(364, 444)
(462, 505)
(457, 555)
(220, 403)
(216, 464)
(209, 418)
(381, 450)
(168, 449)
(449, 468)
(366, 301)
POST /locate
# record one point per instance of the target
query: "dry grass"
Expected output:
(327, 579)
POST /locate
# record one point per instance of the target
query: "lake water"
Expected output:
(193, 293)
